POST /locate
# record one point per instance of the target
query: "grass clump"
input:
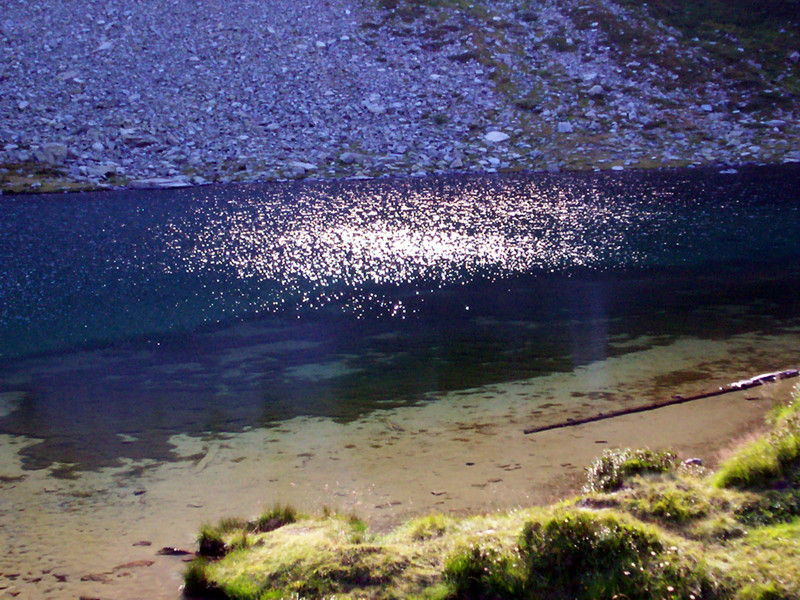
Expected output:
(196, 581)
(770, 507)
(428, 527)
(211, 543)
(767, 562)
(276, 517)
(609, 472)
(672, 505)
(484, 572)
(580, 554)
(215, 541)
(310, 558)
(358, 529)
(212, 537)
(771, 460)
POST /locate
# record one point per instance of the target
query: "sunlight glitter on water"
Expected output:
(148, 263)
(323, 242)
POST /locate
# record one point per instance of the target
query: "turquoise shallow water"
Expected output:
(128, 317)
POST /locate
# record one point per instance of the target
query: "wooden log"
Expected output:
(738, 386)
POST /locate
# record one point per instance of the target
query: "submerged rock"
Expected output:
(170, 551)
(9, 402)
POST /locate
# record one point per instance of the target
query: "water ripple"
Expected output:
(100, 267)
(327, 243)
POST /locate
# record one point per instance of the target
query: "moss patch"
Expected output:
(33, 177)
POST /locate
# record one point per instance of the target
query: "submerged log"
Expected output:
(677, 399)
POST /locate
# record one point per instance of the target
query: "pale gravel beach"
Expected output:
(163, 94)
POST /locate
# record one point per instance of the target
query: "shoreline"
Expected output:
(457, 455)
(72, 188)
(645, 521)
(130, 567)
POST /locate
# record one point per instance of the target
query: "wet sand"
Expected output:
(97, 536)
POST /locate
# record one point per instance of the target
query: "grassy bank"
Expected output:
(645, 526)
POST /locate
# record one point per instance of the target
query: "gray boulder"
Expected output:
(52, 154)
(496, 136)
(100, 171)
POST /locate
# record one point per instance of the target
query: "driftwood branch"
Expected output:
(726, 389)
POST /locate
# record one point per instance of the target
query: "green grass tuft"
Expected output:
(358, 529)
(432, 526)
(276, 517)
(609, 472)
(673, 506)
(230, 534)
(769, 461)
(580, 554)
(767, 562)
(484, 572)
(771, 507)
(197, 583)
(211, 542)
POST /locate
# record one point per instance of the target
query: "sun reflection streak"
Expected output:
(323, 248)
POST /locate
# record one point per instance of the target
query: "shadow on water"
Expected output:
(131, 317)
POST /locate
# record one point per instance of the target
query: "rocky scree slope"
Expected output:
(162, 93)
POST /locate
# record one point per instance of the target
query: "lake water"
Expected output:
(129, 317)
(168, 358)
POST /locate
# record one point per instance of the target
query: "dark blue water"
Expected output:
(212, 309)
